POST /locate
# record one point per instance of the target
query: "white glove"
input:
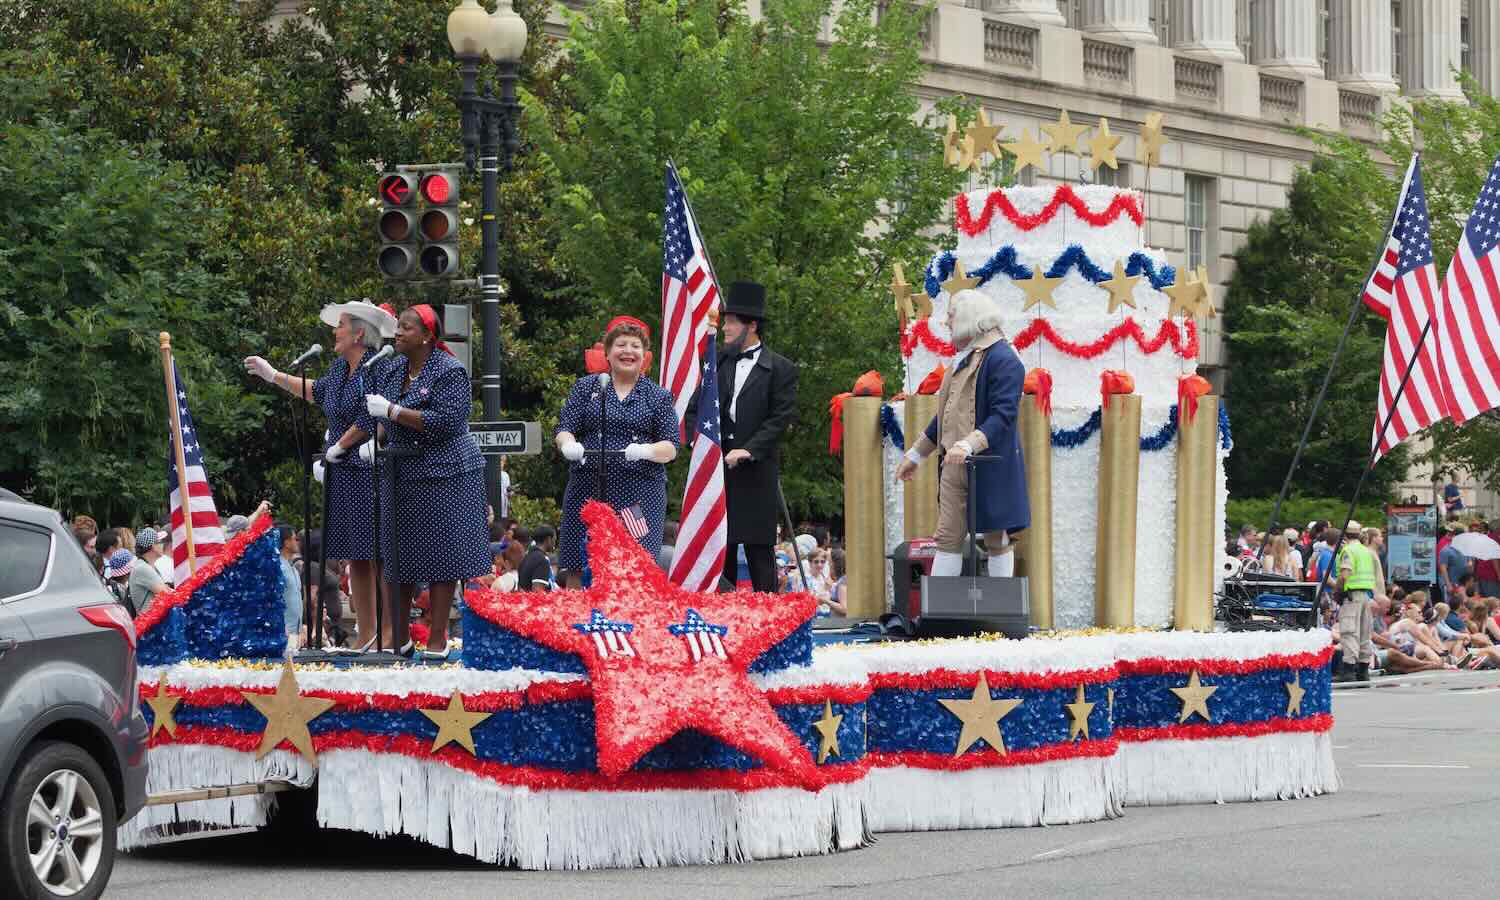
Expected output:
(318, 470)
(637, 452)
(367, 452)
(261, 369)
(380, 408)
(572, 451)
(335, 453)
(912, 456)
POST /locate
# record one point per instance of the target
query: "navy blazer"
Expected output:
(441, 392)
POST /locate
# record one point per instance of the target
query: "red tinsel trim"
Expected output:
(1156, 665)
(1184, 340)
(815, 694)
(484, 701)
(948, 678)
(167, 601)
(996, 200)
(534, 777)
(1197, 731)
(992, 759)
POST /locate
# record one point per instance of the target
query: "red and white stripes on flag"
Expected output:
(1468, 326)
(208, 537)
(1403, 289)
(688, 291)
(702, 538)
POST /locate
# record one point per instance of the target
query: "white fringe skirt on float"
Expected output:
(1062, 792)
(1284, 766)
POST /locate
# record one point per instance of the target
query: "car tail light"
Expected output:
(111, 615)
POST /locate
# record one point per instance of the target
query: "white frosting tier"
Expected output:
(1120, 234)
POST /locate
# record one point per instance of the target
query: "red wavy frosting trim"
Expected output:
(1198, 731)
(996, 200)
(933, 679)
(991, 759)
(534, 777)
(1157, 665)
(1184, 339)
(167, 601)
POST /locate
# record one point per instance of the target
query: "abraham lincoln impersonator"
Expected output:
(977, 411)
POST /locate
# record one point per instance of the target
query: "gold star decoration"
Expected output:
(1027, 151)
(1064, 134)
(901, 291)
(828, 732)
(981, 715)
(1194, 699)
(1203, 304)
(1039, 289)
(1294, 692)
(287, 713)
(1148, 149)
(981, 138)
(1102, 147)
(1078, 713)
(951, 143)
(1121, 287)
(958, 281)
(1184, 294)
(455, 724)
(162, 708)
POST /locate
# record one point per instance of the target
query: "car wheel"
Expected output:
(57, 826)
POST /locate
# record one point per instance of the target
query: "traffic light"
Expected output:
(419, 224)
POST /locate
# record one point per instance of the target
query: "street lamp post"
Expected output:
(490, 138)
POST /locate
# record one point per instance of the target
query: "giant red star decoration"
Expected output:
(662, 659)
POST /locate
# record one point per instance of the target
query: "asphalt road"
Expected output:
(1417, 816)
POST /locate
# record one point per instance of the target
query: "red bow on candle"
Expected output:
(1114, 381)
(1039, 383)
(933, 382)
(869, 384)
(1189, 389)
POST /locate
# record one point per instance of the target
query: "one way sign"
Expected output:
(507, 438)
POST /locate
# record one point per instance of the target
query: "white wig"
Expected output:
(973, 313)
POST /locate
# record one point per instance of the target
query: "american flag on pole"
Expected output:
(1468, 324)
(688, 291)
(703, 535)
(208, 537)
(1403, 289)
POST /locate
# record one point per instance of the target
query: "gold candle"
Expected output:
(864, 508)
(1197, 465)
(921, 493)
(1034, 546)
(1119, 476)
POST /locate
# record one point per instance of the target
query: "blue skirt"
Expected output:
(625, 490)
(440, 529)
(349, 531)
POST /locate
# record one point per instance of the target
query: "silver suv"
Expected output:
(72, 737)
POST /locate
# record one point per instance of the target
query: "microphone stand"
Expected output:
(606, 384)
(307, 466)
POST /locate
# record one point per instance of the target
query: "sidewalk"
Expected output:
(1442, 680)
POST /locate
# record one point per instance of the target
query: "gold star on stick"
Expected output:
(951, 144)
(958, 281)
(1294, 692)
(1203, 304)
(162, 708)
(901, 291)
(1078, 713)
(828, 732)
(1121, 287)
(982, 137)
(1184, 294)
(1039, 289)
(287, 713)
(1064, 134)
(1194, 699)
(1027, 151)
(1148, 149)
(981, 715)
(455, 724)
(1102, 147)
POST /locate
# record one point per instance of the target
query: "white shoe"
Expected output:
(1002, 565)
(945, 563)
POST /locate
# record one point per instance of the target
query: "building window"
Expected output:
(1396, 42)
(1119, 178)
(1199, 220)
(1325, 38)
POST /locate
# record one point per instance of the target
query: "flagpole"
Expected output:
(693, 224)
(177, 455)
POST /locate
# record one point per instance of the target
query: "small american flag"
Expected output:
(208, 537)
(703, 638)
(635, 522)
(1468, 324)
(698, 559)
(1402, 289)
(688, 291)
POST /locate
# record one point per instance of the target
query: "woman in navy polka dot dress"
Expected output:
(639, 421)
(437, 513)
(357, 331)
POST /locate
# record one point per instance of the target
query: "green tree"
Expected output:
(791, 147)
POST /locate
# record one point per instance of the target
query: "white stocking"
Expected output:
(1002, 565)
(945, 563)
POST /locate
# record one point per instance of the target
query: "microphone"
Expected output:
(313, 352)
(385, 351)
(603, 379)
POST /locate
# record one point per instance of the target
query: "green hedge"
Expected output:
(1297, 511)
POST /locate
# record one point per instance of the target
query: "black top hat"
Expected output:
(747, 300)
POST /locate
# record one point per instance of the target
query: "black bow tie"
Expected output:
(747, 354)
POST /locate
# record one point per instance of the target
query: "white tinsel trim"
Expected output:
(1245, 645)
(389, 794)
(827, 668)
(1030, 656)
(1051, 793)
(396, 680)
(1226, 770)
(182, 767)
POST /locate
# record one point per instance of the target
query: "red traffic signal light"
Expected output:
(396, 189)
(437, 188)
(418, 223)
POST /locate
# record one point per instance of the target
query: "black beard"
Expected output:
(738, 345)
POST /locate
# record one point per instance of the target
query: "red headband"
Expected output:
(429, 321)
(627, 320)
